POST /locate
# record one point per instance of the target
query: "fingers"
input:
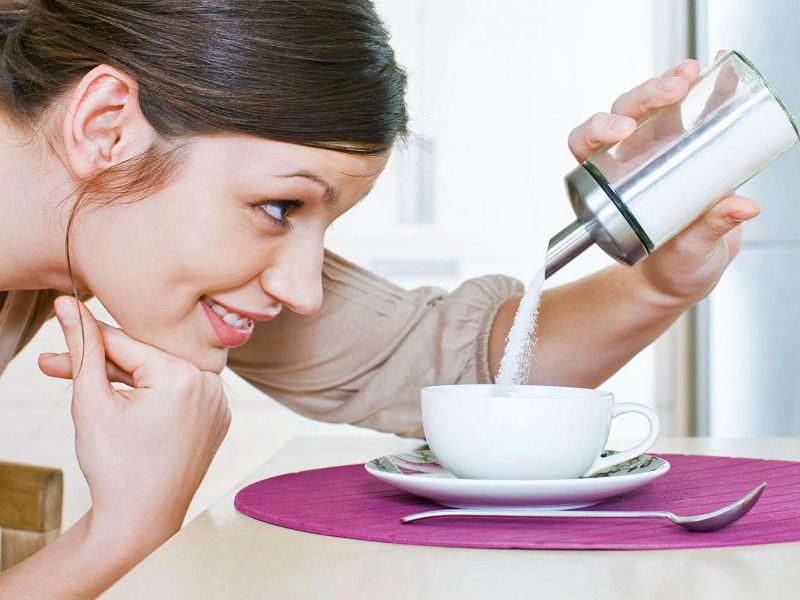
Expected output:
(608, 128)
(597, 131)
(733, 242)
(59, 365)
(213, 387)
(86, 348)
(122, 359)
(653, 93)
(689, 69)
(141, 361)
(670, 88)
(726, 216)
(724, 87)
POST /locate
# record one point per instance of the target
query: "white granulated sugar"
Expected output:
(516, 362)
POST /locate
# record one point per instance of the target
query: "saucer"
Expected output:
(419, 473)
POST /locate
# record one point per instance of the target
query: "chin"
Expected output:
(214, 363)
(212, 359)
(200, 353)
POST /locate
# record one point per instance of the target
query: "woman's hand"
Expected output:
(686, 268)
(145, 450)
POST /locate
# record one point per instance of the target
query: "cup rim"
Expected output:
(465, 391)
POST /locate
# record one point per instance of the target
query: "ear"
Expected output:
(103, 124)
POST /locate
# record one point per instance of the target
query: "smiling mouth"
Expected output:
(230, 328)
(231, 318)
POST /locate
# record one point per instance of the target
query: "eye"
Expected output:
(277, 210)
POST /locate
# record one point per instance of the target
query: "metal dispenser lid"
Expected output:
(606, 217)
(603, 219)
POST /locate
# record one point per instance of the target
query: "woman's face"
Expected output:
(234, 239)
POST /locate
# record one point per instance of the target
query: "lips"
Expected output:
(233, 327)
(228, 335)
(231, 315)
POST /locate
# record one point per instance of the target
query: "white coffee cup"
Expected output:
(525, 432)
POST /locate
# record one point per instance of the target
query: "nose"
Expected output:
(295, 277)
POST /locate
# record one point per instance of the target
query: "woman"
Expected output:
(181, 160)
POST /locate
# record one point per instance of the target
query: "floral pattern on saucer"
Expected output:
(643, 463)
(424, 463)
(419, 473)
(421, 462)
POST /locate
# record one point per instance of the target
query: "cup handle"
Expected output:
(605, 462)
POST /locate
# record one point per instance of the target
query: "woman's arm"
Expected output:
(592, 327)
(143, 452)
(85, 560)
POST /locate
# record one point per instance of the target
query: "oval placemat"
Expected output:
(348, 502)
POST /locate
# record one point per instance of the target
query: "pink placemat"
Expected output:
(348, 502)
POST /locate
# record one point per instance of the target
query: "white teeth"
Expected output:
(230, 318)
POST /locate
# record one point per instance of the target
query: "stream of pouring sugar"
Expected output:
(516, 362)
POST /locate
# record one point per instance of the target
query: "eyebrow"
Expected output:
(330, 195)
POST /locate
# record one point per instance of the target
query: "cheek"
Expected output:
(218, 250)
(150, 262)
(194, 252)
(146, 275)
(223, 267)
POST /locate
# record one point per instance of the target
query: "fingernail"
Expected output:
(683, 65)
(47, 354)
(741, 217)
(66, 312)
(622, 124)
(669, 84)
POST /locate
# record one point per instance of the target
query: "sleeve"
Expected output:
(22, 314)
(364, 356)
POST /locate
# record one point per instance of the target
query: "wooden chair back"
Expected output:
(30, 510)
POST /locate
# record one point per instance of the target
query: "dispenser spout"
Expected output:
(566, 245)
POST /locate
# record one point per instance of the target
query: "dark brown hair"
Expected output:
(319, 73)
(312, 72)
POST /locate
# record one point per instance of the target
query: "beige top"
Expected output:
(361, 359)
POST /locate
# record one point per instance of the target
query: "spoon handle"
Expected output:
(467, 512)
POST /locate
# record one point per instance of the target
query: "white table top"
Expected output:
(222, 554)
